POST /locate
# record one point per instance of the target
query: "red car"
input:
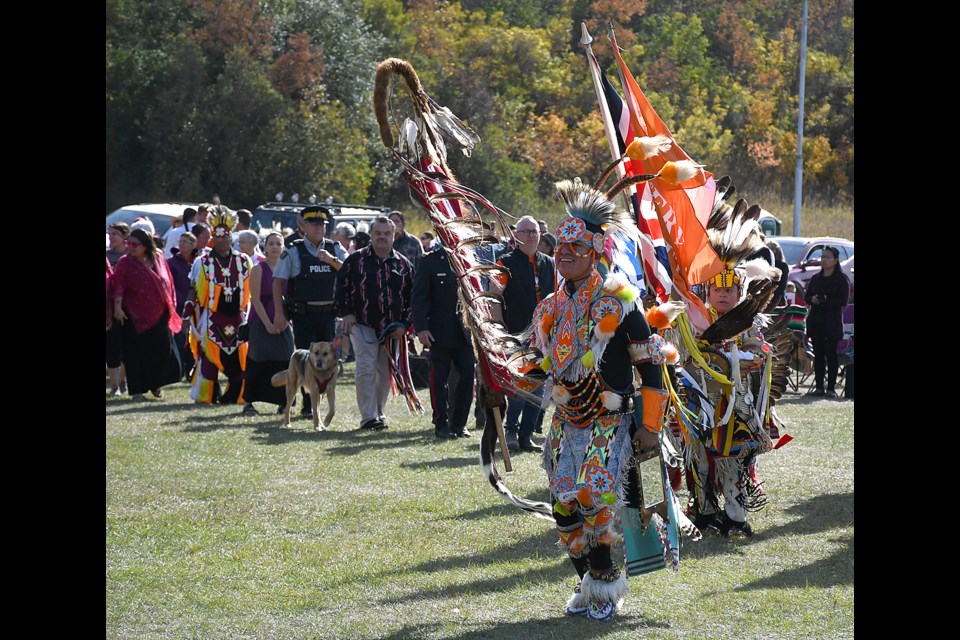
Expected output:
(847, 266)
(803, 256)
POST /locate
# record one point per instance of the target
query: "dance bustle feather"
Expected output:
(417, 143)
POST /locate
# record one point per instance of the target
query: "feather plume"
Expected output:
(734, 234)
(662, 316)
(687, 527)
(677, 172)
(647, 147)
(760, 268)
(638, 149)
(454, 128)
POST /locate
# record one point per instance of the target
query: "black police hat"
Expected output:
(315, 213)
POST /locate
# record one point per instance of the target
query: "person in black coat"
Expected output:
(530, 280)
(826, 296)
(436, 319)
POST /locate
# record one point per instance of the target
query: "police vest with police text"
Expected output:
(316, 279)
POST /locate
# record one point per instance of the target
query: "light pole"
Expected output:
(798, 171)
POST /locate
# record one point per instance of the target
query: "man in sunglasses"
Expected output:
(530, 280)
(596, 345)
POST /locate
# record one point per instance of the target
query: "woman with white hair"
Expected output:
(344, 234)
(144, 223)
(248, 242)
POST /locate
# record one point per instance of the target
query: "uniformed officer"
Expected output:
(437, 321)
(309, 268)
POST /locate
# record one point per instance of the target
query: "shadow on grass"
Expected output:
(818, 514)
(504, 508)
(832, 571)
(127, 405)
(192, 417)
(213, 421)
(354, 441)
(443, 463)
(804, 400)
(557, 570)
(558, 626)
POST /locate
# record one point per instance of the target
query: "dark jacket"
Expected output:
(409, 246)
(434, 301)
(826, 319)
(521, 296)
(377, 292)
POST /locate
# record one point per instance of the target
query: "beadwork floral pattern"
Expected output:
(599, 481)
(571, 230)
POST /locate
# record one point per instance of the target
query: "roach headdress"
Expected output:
(735, 235)
(594, 218)
(222, 220)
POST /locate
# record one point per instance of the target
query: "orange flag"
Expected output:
(683, 209)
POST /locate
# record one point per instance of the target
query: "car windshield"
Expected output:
(275, 215)
(160, 222)
(792, 249)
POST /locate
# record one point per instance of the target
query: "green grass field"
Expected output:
(220, 526)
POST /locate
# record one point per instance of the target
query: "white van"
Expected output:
(161, 215)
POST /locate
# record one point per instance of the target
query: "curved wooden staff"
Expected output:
(418, 145)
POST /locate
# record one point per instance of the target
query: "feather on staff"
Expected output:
(454, 211)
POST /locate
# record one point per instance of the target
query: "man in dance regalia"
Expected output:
(589, 346)
(601, 358)
(216, 307)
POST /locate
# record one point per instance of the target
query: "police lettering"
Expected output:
(320, 268)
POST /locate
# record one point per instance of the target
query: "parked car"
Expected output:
(161, 215)
(770, 223)
(803, 256)
(847, 266)
(279, 215)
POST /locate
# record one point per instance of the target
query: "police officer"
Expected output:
(439, 327)
(309, 269)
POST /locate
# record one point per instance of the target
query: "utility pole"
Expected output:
(798, 171)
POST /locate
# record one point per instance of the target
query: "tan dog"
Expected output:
(317, 371)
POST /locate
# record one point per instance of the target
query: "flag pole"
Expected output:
(586, 40)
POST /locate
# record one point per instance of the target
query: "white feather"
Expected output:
(672, 309)
(651, 146)
(612, 401)
(760, 268)
(687, 169)
(738, 231)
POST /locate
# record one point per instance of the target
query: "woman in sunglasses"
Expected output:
(144, 307)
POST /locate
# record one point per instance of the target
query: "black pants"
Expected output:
(234, 373)
(441, 359)
(115, 346)
(312, 327)
(825, 357)
(183, 345)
